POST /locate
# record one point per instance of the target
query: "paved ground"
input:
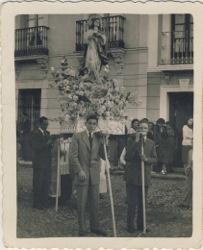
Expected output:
(164, 217)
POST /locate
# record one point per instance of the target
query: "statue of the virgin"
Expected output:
(95, 54)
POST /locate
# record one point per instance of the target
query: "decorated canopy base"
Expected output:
(109, 126)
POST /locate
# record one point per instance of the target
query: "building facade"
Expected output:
(151, 55)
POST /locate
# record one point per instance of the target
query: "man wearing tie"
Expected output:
(133, 160)
(41, 145)
(86, 150)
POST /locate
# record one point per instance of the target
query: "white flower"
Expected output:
(67, 88)
(81, 92)
(67, 117)
(107, 68)
(69, 96)
(103, 108)
(75, 98)
(75, 104)
(82, 85)
(66, 82)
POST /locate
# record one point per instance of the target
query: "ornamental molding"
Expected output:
(43, 63)
(116, 57)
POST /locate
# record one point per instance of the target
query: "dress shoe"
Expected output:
(99, 232)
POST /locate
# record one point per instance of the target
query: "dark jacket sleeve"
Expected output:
(74, 155)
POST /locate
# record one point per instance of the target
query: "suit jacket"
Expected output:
(83, 157)
(41, 150)
(133, 161)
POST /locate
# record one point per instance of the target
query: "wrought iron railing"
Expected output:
(176, 48)
(112, 26)
(31, 41)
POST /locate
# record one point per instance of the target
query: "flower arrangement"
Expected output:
(79, 95)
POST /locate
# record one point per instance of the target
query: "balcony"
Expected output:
(112, 26)
(176, 49)
(31, 42)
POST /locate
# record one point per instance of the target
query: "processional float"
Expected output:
(90, 89)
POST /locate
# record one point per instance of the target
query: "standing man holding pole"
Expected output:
(86, 150)
(140, 155)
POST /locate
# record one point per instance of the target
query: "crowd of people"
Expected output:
(82, 167)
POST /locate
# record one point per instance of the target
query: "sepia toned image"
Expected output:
(134, 73)
(102, 118)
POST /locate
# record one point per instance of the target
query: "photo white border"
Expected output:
(9, 10)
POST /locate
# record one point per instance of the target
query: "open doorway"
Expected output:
(180, 110)
(28, 114)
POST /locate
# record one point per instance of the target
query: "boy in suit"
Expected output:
(133, 160)
(86, 150)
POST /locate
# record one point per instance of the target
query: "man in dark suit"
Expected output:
(133, 160)
(41, 145)
(85, 151)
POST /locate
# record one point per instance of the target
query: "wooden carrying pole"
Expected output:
(143, 187)
(110, 189)
(58, 174)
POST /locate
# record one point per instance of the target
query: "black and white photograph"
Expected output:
(104, 108)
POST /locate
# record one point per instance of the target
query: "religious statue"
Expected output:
(95, 54)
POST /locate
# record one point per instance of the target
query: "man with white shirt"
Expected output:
(41, 145)
(86, 150)
(133, 158)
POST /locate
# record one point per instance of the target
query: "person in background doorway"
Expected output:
(187, 132)
(170, 147)
(159, 139)
(166, 149)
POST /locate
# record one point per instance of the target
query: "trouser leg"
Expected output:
(188, 190)
(93, 202)
(66, 187)
(82, 192)
(132, 203)
(37, 187)
(45, 181)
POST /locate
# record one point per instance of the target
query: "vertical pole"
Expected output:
(143, 189)
(110, 190)
(58, 174)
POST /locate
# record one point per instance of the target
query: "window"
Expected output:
(182, 38)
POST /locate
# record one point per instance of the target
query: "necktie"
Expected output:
(90, 140)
